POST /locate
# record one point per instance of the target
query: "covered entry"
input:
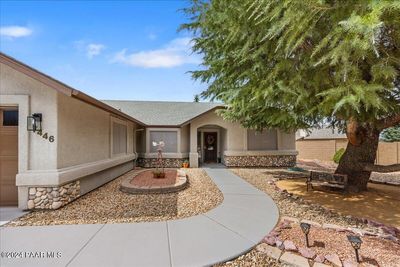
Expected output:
(210, 143)
(8, 156)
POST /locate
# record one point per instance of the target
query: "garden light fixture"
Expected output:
(34, 122)
(305, 227)
(355, 242)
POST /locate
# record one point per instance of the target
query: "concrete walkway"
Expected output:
(10, 213)
(231, 229)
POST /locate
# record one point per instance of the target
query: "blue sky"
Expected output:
(110, 50)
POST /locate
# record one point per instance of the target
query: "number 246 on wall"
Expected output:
(46, 136)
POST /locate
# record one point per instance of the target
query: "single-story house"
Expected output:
(58, 143)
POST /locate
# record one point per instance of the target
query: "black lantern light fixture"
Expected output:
(355, 242)
(34, 122)
(305, 227)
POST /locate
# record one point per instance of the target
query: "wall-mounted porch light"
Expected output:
(34, 122)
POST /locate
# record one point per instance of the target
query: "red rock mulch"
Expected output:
(374, 251)
(146, 178)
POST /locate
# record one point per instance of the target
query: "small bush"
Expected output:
(338, 155)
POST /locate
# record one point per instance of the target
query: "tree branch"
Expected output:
(382, 168)
(389, 122)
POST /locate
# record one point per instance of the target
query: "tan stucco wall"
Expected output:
(83, 132)
(185, 139)
(236, 137)
(286, 141)
(42, 155)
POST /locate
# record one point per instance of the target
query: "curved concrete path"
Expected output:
(245, 216)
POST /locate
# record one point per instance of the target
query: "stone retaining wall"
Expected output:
(168, 162)
(260, 161)
(52, 197)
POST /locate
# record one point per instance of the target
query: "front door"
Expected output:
(210, 147)
(8, 156)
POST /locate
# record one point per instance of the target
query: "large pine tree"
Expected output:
(294, 64)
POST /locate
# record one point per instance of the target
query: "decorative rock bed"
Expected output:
(324, 220)
(143, 182)
(328, 246)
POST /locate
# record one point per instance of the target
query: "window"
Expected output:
(169, 137)
(119, 138)
(265, 140)
(10, 117)
(140, 141)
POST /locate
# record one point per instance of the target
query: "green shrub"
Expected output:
(338, 155)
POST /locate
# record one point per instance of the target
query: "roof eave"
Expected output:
(192, 119)
(61, 87)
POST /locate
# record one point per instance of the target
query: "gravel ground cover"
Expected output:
(318, 165)
(264, 179)
(108, 204)
(382, 200)
(374, 251)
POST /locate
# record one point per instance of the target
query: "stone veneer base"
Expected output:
(168, 162)
(260, 161)
(52, 197)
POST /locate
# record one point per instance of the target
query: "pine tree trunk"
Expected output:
(357, 156)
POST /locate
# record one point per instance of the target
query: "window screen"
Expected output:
(265, 140)
(119, 138)
(170, 139)
(140, 143)
(10, 117)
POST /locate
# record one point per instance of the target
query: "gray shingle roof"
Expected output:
(162, 113)
(324, 133)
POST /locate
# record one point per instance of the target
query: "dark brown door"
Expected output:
(210, 147)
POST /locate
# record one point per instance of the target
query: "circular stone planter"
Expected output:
(143, 182)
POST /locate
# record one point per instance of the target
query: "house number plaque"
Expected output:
(46, 136)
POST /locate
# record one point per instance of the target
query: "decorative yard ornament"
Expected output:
(160, 162)
(355, 242)
(305, 227)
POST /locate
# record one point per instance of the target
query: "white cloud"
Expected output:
(94, 50)
(15, 31)
(176, 53)
(152, 36)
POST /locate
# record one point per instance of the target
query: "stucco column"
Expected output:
(193, 155)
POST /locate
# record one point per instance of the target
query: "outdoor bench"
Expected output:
(326, 179)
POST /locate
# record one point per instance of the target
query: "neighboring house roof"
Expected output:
(59, 86)
(324, 133)
(163, 113)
